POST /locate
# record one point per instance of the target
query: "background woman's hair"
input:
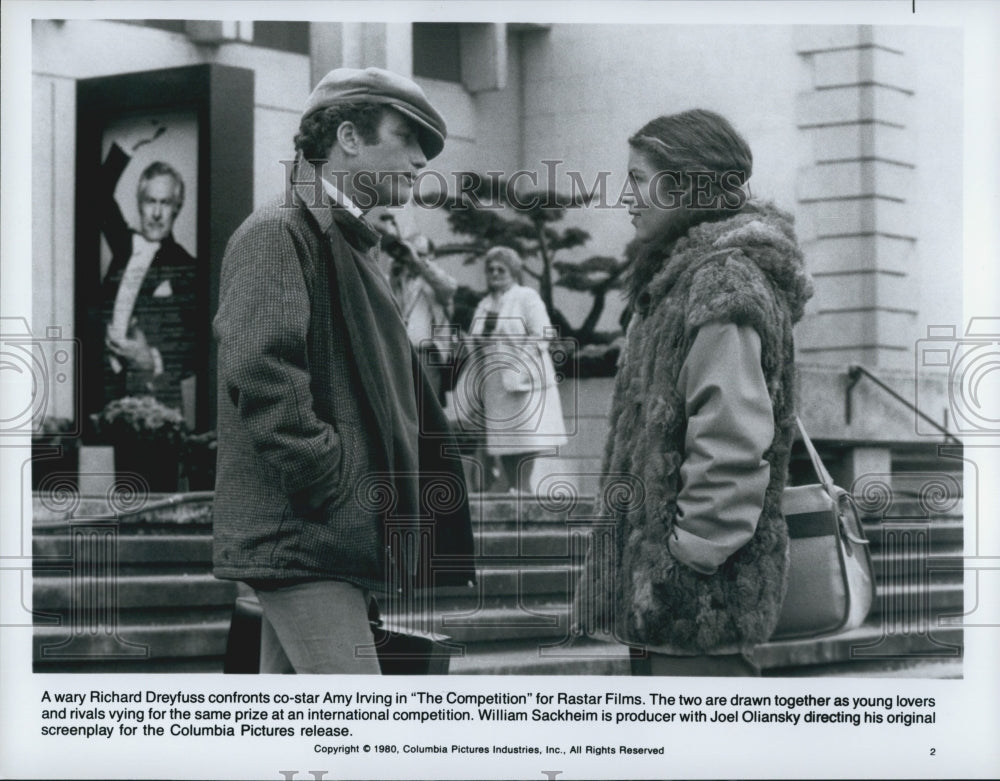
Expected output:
(510, 259)
(318, 131)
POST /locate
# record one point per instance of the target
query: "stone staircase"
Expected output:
(137, 594)
(134, 594)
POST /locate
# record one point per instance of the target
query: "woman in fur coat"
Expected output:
(511, 371)
(688, 563)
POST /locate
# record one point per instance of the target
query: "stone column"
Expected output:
(360, 45)
(855, 221)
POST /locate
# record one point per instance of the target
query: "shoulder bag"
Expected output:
(831, 582)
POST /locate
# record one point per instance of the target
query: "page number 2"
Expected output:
(933, 752)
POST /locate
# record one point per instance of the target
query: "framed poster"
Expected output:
(159, 191)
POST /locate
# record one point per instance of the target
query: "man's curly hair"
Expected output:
(318, 131)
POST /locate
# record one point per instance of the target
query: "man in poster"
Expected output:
(334, 481)
(149, 291)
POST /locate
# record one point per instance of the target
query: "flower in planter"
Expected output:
(198, 460)
(55, 443)
(54, 430)
(140, 419)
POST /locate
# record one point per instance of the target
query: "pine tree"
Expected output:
(489, 214)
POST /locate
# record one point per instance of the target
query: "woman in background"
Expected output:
(509, 373)
(694, 574)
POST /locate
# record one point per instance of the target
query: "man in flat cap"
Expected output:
(332, 447)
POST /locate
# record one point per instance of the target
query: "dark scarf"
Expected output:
(427, 521)
(382, 349)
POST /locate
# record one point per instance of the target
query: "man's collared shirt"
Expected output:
(143, 254)
(341, 200)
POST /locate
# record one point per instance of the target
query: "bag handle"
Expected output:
(817, 462)
(825, 479)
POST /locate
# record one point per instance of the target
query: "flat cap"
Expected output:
(375, 85)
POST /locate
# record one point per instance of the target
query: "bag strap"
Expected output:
(817, 462)
(827, 481)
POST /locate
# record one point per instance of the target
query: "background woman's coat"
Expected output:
(513, 371)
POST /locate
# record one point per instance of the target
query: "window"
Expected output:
(437, 51)
(287, 36)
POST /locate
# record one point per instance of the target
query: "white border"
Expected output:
(968, 711)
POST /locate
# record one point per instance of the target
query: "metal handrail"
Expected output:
(856, 372)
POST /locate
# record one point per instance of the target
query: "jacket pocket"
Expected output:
(349, 468)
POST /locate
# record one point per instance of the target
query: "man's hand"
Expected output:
(134, 352)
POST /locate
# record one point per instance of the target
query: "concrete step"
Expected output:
(941, 582)
(507, 660)
(492, 641)
(56, 592)
(587, 657)
(494, 545)
(173, 637)
(506, 604)
(177, 665)
(918, 601)
(491, 619)
(554, 540)
(947, 534)
(144, 549)
(941, 566)
(505, 516)
(871, 643)
(525, 511)
(557, 578)
(906, 511)
(147, 640)
(532, 619)
(160, 511)
(945, 669)
(866, 649)
(138, 511)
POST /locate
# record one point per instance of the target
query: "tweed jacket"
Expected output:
(303, 489)
(745, 269)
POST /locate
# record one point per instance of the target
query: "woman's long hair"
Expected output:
(689, 143)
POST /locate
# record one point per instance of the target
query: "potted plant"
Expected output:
(55, 447)
(147, 436)
(198, 461)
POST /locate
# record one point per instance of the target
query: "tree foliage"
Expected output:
(489, 213)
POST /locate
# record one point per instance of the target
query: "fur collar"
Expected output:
(761, 231)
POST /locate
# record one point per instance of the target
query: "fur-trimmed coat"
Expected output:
(745, 269)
